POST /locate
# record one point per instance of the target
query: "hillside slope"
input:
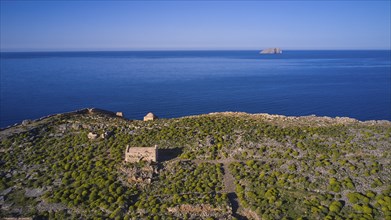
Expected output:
(219, 166)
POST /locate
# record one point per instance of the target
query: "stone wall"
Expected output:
(136, 154)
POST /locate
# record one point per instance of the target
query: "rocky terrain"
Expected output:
(214, 166)
(271, 51)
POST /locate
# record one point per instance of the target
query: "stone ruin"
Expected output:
(104, 135)
(137, 154)
(140, 172)
(150, 117)
(200, 210)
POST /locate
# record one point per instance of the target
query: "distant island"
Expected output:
(96, 164)
(271, 51)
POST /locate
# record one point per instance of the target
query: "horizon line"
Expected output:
(179, 50)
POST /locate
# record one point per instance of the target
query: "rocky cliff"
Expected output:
(271, 51)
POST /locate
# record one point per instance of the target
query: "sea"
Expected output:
(170, 84)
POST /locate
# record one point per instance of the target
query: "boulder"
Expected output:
(106, 135)
(6, 191)
(76, 126)
(92, 136)
(26, 122)
(63, 127)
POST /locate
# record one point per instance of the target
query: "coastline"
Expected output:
(266, 116)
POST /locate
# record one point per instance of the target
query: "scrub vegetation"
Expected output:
(282, 168)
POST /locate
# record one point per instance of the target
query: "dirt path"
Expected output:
(229, 188)
(229, 180)
(228, 183)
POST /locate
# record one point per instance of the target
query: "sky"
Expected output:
(194, 25)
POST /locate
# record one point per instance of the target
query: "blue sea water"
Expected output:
(354, 84)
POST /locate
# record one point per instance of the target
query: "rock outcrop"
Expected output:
(271, 51)
(106, 135)
(92, 136)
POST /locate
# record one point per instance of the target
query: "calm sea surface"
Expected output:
(177, 83)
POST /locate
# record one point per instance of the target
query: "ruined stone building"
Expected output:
(137, 154)
(150, 117)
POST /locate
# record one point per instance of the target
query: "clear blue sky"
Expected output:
(165, 25)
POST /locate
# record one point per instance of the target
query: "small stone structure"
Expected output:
(119, 114)
(150, 117)
(137, 154)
